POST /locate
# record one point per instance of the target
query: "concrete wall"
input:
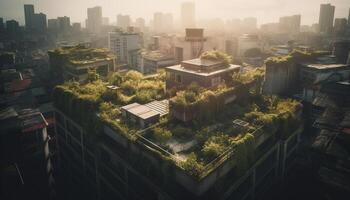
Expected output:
(280, 79)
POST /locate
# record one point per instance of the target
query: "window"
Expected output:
(172, 76)
(215, 81)
(178, 78)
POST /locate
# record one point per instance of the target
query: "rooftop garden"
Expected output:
(197, 147)
(79, 99)
(217, 56)
(293, 57)
(80, 54)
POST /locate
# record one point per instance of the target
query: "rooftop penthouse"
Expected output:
(208, 71)
(183, 160)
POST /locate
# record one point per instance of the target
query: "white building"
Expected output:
(125, 45)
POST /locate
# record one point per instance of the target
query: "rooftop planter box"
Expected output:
(186, 105)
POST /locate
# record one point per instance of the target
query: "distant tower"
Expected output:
(349, 18)
(28, 16)
(326, 18)
(188, 16)
(123, 21)
(94, 20)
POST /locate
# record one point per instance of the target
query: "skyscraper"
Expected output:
(94, 20)
(64, 23)
(140, 23)
(188, 18)
(289, 24)
(326, 18)
(158, 22)
(28, 16)
(39, 22)
(123, 21)
(52, 24)
(12, 26)
(340, 25)
(349, 18)
(1, 24)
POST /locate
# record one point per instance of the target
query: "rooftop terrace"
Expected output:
(197, 147)
(80, 55)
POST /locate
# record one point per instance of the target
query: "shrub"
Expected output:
(182, 132)
(115, 78)
(192, 166)
(217, 56)
(215, 146)
(133, 75)
(92, 75)
(161, 135)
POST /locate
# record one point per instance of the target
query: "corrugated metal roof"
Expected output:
(160, 106)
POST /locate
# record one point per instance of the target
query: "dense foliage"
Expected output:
(294, 57)
(217, 56)
(216, 141)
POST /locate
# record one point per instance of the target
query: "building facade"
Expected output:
(94, 19)
(326, 18)
(205, 73)
(123, 45)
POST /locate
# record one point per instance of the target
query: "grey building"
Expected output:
(28, 16)
(326, 18)
(290, 24)
(340, 25)
(64, 24)
(52, 24)
(2, 27)
(94, 20)
(12, 26)
(39, 22)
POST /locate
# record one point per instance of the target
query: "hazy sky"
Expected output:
(264, 10)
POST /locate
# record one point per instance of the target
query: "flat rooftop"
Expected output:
(156, 56)
(201, 73)
(325, 67)
(202, 62)
(140, 111)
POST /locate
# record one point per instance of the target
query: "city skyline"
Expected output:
(205, 9)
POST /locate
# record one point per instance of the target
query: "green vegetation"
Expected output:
(206, 103)
(216, 139)
(293, 57)
(81, 101)
(249, 76)
(80, 54)
(217, 56)
(162, 135)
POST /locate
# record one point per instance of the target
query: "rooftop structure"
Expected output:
(145, 115)
(74, 61)
(205, 71)
(154, 60)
